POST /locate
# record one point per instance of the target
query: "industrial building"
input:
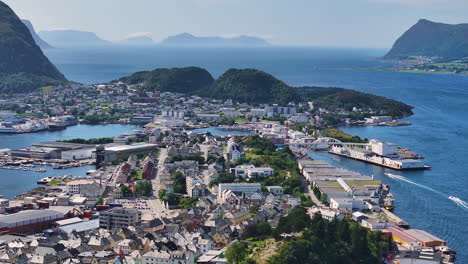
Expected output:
(122, 152)
(29, 220)
(415, 238)
(57, 150)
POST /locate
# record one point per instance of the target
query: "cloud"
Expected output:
(428, 3)
(139, 34)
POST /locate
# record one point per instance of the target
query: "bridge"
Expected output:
(327, 142)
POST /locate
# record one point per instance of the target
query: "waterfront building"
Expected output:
(378, 119)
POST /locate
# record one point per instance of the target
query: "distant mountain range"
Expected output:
(257, 87)
(39, 41)
(431, 39)
(70, 38)
(76, 38)
(23, 66)
(186, 39)
(138, 40)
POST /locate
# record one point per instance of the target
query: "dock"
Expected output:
(397, 220)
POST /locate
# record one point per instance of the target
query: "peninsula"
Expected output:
(432, 47)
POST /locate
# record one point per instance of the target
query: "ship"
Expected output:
(389, 202)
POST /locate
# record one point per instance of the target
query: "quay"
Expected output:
(379, 153)
(396, 164)
(395, 219)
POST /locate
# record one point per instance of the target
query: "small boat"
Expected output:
(45, 180)
(389, 202)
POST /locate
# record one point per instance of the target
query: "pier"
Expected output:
(395, 219)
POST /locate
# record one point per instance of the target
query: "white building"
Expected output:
(244, 188)
(383, 148)
(79, 154)
(173, 113)
(86, 188)
(251, 172)
(234, 151)
(378, 119)
(276, 190)
(258, 112)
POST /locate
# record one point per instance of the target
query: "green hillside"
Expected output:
(257, 87)
(23, 66)
(431, 39)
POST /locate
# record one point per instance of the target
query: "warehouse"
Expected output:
(415, 237)
(122, 152)
(28, 220)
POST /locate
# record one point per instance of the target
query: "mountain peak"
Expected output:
(432, 39)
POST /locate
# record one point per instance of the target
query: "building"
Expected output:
(378, 119)
(122, 152)
(415, 238)
(276, 190)
(28, 220)
(168, 257)
(385, 149)
(209, 117)
(239, 188)
(86, 188)
(280, 110)
(251, 172)
(119, 218)
(234, 151)
(326, 213)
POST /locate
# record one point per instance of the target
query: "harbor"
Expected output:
(376, 152)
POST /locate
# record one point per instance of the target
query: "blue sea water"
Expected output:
(439, 131)
(14, 182)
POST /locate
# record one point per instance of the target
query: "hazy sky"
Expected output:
(350, 23)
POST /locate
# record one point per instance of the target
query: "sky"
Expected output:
(322, 23)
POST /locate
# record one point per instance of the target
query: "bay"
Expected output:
(14, 182)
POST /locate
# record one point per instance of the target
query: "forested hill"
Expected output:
(431, 39)
(257, 87)
(23, 66)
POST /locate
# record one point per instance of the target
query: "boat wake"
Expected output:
(457, 200)
(398, 177)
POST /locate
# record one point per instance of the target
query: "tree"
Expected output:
(236, 253)
(180, 183)
(99, 201)
(264, 229)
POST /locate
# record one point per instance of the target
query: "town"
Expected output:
(171, 192)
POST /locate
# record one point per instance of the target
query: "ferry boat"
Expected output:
(389, 202)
